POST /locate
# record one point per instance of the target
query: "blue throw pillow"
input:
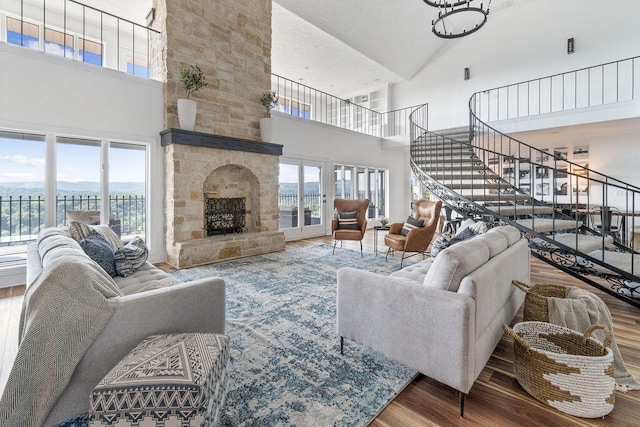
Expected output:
(347, 220)
(410, 224)
(100, 250)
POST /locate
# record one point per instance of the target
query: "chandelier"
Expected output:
(458, 18)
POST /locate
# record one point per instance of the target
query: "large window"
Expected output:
(359, 182)
(21, 192)
(43, 176)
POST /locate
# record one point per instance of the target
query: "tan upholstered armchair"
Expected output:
(418, 239)
(350, 222)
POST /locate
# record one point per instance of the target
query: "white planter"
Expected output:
(266, 129)
(187, 113)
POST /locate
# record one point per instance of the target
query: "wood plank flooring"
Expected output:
(496, 398)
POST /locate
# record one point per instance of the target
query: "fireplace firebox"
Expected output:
(225, 215)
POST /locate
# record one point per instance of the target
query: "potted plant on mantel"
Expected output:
(269, 101)
(192, 79)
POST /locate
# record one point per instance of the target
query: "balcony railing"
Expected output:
(602, 84)
(22, 218)
(302, 101)
(73, 30)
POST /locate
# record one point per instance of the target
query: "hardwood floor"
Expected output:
(496, 398)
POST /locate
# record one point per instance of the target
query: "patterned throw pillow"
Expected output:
(410, 224)
(80, 231)
(347, 220)
(446, 239)
(131, 256)
(441, 243)
(101, 251)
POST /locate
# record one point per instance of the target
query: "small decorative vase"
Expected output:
(187, 113)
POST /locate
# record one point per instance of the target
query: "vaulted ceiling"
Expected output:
(343, 47)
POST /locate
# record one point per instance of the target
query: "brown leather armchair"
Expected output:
(418, 239)
(357, 233)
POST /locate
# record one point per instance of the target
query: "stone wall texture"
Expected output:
(230, 40)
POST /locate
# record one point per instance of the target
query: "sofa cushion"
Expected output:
(510, 232)
(145, 278)
(347, 220)
(496, 242)
(410, 224)
(131, 256)
(455, 262)
(416, 271)
(80, 231)
(100, 251)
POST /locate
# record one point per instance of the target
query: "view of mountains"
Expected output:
(65, 187)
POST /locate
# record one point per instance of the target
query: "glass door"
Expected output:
(301, 198)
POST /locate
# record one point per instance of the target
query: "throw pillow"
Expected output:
(131, 256)
(441, 243)
(410, 224)
(80, 231)
(347, 220)
(85, 217)
(101, 251)
(445, 240)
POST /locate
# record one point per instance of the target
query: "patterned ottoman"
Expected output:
(167, 380)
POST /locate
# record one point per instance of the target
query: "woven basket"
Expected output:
(564, 369)
(536, 305)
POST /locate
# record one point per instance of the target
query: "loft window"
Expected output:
(57, 43)
(23, 33)
(294, 108)
(138, 66)
(89, 51)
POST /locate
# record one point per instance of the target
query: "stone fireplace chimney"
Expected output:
(230, 41)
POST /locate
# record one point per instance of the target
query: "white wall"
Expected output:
(305, 139)
(530, 41)
(44, 93)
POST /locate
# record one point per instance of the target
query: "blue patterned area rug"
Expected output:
(286, 367)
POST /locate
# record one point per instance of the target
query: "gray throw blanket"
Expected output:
(581, 309)
(64, 310)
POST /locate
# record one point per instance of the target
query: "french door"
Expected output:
(301, 198)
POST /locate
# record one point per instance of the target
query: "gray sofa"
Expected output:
(147, 302)
(443, 316)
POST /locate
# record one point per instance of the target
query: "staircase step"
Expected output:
(478, 185)
(510, 197)
(586, 242)
(547, 225)
(620, 260)
(517, 210)
(462, 176)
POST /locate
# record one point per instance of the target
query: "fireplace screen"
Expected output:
(225, 215)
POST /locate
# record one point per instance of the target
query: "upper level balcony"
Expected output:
(73, 30)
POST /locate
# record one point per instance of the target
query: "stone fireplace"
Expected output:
(203, 169)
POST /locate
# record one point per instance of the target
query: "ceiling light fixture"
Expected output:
(458, 18)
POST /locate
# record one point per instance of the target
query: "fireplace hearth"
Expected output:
(225, 215)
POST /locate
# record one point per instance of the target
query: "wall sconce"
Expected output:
(467, 73)
(570, 45)
(151, 16)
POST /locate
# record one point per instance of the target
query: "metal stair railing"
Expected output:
(482, 174)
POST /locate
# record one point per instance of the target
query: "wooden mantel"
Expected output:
(201, 139)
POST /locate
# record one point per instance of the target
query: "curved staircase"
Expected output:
(479, 172)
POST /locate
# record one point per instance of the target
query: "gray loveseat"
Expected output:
(147, 302)
(443, 316)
